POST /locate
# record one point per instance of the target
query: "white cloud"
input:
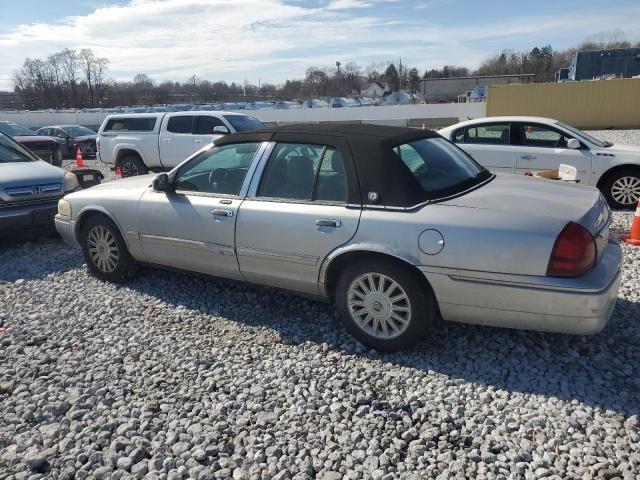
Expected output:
(235, 40)
(347, 4)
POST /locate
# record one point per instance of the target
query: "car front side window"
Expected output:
(219, 170)
(304, 172)
(535, 135)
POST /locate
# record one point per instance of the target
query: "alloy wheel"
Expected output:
(129, 169)
(626, 190)
(103, 248)
(379, 305)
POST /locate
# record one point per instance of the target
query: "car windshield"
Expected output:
(78, 131)
(243, 122)
(12, 152)
(585, 136)
(441, 168)
(16, 130)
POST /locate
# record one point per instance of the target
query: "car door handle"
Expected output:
(528, 157)
(221, 212)
(195, 140)
(166, 140)
(325, 222)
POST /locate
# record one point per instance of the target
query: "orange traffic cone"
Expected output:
(79, 159)
(118, 173)
(634, 234)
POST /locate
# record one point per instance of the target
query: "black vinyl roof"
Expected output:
(377, 168)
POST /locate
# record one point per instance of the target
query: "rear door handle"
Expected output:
(195, 140)
(528, 157)
(221, 212)
(166, 140)
(325, 222)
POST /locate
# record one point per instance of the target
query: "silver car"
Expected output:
(396, 226)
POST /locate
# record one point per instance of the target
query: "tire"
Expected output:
(99, 233)
(622, 188)
(132, 166)
(56, 159)
(418, 310)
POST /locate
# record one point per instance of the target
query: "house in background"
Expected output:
(374, 90)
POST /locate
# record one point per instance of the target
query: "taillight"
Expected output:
(574, 252)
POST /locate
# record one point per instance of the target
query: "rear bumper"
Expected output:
(31, 217)
(580, 305)
(66, 228)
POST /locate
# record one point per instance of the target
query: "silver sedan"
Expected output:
(396, 226)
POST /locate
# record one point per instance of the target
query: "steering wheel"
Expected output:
(219, 180)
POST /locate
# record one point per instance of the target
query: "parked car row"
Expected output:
(396, 226)
(53, 144)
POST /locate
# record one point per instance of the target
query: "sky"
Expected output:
(275, 40)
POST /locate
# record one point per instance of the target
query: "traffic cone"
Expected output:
(634, 234)
(79, 159)
(118, 173)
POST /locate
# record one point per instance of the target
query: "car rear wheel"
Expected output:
(132, 166)
(105, 250)
(622, 188)
(384, 305)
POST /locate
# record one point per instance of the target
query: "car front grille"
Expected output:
(30, 202)
(30, 195)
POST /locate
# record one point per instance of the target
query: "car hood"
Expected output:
(141, 182)
(18, 174)
(32, 138)
(530, 196)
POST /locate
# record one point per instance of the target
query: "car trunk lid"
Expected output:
(543, 198)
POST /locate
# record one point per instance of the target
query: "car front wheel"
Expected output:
(622, 188)
(384, 305)
(105, 250)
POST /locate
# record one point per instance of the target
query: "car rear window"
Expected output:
(441, 168)
(136, 124)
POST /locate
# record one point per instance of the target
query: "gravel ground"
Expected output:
(173, 376)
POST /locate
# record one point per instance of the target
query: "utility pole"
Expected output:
(338, 65)
(400, 75)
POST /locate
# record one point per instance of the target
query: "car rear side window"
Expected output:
(180, 124)
(131, 124)
(304, 172)
(490, 134)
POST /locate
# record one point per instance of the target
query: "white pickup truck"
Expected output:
(140, 142)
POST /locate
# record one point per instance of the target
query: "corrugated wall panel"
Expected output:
(593, 104)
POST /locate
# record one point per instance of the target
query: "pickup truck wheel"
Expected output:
(622, 188)
(132, 166)
(105, 250)
(383, 305)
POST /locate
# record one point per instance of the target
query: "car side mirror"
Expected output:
(161, 183)
(220, 130)
(573, 144)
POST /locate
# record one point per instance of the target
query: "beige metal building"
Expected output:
(450, 88)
